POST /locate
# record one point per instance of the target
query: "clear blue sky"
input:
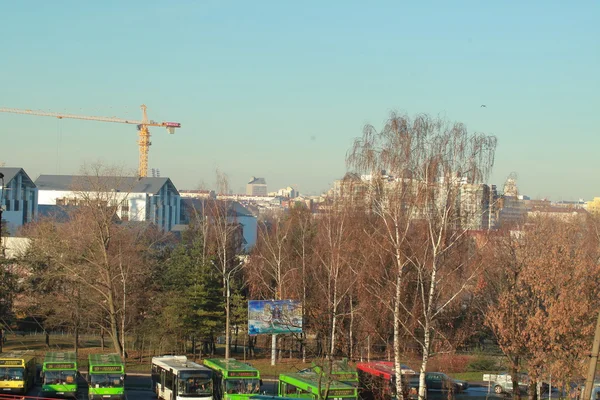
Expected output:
(279, 89)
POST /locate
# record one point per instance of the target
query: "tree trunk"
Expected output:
(76, 339)
(350, 333)
(514, 375)
(424, 360)
(114, 326)
(397, 349)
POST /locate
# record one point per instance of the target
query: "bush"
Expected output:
(449, 363)
(482, 363)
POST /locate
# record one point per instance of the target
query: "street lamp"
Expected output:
(227, 280)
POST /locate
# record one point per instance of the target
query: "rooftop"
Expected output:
(126, 184)
(11, 172)
(257, 181)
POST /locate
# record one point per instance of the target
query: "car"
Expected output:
(504, 384)
(440, 381)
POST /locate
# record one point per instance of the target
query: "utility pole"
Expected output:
(591, 374)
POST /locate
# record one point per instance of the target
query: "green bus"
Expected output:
(306, 385)
(106, 377)
(17, 371)
(59, 374)
(340, 371)
(233, 379)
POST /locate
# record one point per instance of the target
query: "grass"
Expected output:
(468, 376)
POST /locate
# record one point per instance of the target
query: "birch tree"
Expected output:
(411, 175)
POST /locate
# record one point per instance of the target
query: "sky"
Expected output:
(279, 89)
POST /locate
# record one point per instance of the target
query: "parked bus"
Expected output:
(17, 372)
(306, 385)
(106, 377)
(233, 379)
(340, 371)
(59, 374)
(176, 378)
(377, 381)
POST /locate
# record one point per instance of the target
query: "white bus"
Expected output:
(177, 378)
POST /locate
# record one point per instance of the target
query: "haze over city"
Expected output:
(280, 90)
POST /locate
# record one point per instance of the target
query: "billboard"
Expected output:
(274, 316)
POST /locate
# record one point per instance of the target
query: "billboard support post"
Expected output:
(273, 349)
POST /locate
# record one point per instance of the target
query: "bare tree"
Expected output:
(226, 236)
(98, 254)
(413, 169)
(269, 269)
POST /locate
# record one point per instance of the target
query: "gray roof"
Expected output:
(10, 173)
(127, 184)
(257, 181)
(234, 208)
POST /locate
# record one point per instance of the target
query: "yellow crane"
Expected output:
(144, 133)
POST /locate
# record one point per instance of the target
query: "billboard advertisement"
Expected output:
(274, 316)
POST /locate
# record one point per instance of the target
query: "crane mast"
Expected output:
(143, 131)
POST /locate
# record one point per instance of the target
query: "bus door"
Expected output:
(218, 385)
(162, 382)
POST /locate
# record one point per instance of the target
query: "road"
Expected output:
(138, 387)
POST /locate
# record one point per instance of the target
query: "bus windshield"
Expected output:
(59, 377)
(242, 386)
(11, 374)
(106, 380)
(194, 385)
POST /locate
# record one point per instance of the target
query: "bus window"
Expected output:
(290, 389)
(242, 386)
(11, 374)
(168, 381)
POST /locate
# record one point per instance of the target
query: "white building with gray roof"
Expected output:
(139, 199)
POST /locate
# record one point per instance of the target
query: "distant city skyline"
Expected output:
(280, 90)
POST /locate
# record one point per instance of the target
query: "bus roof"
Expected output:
(231, 364)
(105, 359)
(311, 379)
(384, 369)
(25, 355)
(337, 367)
(60, 357)
(178, 363)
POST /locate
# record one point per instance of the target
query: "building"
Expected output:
(19, 199)
(288, 192)
(593, 207)
(256, 187)
(511, 211)
(237, 216)
(139, 199)
(477, 206)
(198, 194)
(560, 213)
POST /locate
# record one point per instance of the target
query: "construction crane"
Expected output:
(144, 133)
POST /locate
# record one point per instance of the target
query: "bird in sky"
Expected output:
(483, 105)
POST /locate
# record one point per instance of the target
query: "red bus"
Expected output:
(377, 381)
